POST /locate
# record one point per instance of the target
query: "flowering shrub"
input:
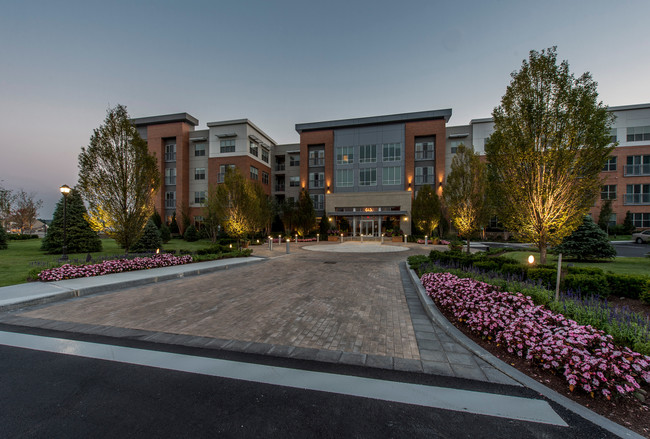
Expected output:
(586, 357)
(69, 271)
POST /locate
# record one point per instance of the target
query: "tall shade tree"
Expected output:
(236, 204)
(25, 210)
(7, 198)
(464, 194)
(550, 142)
(263, 213)
(81, 238)
(426, 210)
(305, 216)
(211, 220)
(118, 179)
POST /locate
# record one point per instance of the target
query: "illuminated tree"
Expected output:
(305, 216)
(550, 143)
(426, 210)
(118, 179)
(236, 204)
(464, 194)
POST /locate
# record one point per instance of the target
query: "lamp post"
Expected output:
(65, 190)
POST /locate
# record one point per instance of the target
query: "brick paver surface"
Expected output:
(337, 301)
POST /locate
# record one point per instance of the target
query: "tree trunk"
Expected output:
(542, 253)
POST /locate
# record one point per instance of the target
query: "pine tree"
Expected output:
(150, 240)
(191, 234)
(3, 238)
(165, 234)
(588, 242)
(81, 238)
(628, 224)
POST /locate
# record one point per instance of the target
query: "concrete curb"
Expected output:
(68, 293)
(434, 313)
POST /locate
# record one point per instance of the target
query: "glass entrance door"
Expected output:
(367, 227)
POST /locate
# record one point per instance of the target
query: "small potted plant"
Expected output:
(398, 235)
(333, 235)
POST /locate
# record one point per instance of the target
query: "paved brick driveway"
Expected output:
(350, 302)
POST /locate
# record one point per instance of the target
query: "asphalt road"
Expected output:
(631, 249)
(45, 394)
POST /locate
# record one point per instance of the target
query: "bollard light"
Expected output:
(531, 259)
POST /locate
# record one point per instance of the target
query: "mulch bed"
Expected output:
(628, 412)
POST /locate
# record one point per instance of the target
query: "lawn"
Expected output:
(619, 265)
(22, 256)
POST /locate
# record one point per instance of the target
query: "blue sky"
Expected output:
(278, 63)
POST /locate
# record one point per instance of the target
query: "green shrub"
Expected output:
(627, 285)
(587, 242)
(516, 269)
(645, 296)
(585, 270)
(587, 284)
(416, 260)
(191, 234)
(455, 245)
(150, 239)
(20, 237)
(165, 234)
(486, 265)
(3, 238)
(546, 276)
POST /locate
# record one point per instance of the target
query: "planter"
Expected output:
(398, 239)
(245, 244)
(333, 238)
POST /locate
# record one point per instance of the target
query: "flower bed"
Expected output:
(586, 357)
(69, 271)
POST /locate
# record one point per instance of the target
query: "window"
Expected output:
(637, 134)
(344, 177)
(227, 145)
(612, 220)
(424, 149)
(265, 155)
(199, 174)
(637, 194)
(254, 173)
(608, 192)
(316, 180)
(368, 154)
(294, 181)
(198, 220)
(454, 144)
(199, 197)
(610, 165)
(424, 175)
(494, 222)
(170, 152)
(368, 177)
(317, 157)
(222, 172)
(344, 155)
(392, 152)
(638, 165)
(612, 135)
(253, 148)
(318, 201)
(199, 149)
(265, 177)
(641, 219)
(294, 160)
(170, 176)
(391, 175)
(170, 199)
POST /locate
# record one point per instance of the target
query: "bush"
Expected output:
(587, 242)
(586, 284)
(165, 234)
(150, 240)
(456, 245)
(191, 234)
(486, 265)
(645, 296)
(516, 269)
(3, 238)
(585, 270)
(21, 237)
(416, 260)
(627, 285)
(546, 276)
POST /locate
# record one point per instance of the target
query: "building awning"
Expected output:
(222, 136)
(373, 213)
(198, 139)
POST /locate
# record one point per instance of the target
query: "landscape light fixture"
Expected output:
(531, 259)
(65, 190)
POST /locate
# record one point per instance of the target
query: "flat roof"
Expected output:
(166, 118)
(375, 120)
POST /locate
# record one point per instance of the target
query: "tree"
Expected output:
(426, 210)
(288, 212)
(628, 223)
(605, 213)
(118, 179)
(25, 210)
(550, 143)
(324, 226)
(3, 238)
(81, 238)
(150, 239)
(588, 242)
(157, 220)
(465, 192)
(211, 220)
(263, 212)
(305, 216)
(173, 226)
(236, 204)
(7, 198)
(165, 234)
(191, 234)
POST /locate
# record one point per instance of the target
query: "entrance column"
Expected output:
(354, 225)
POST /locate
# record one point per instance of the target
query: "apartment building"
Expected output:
(190, 160)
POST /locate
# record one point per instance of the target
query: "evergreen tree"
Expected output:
(3, 238)
(605, 213)
(157, 220)
(324, 226)
(165, 234)
(628, 224)
(81, 238)
(426, 210)
(305, 217)
(588, 242)
(150, 240)
(191, 234)
(173, 226)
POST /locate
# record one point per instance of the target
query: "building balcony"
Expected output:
(424, 179)
(637, 170)
(279, 166)
(170, 156)
(279, 188)
(425, 155)
(639, 199)
(170, 181)
(170, 204)
(316, 184)
(319, 206)
(316, 162)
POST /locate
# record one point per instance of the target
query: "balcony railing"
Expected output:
(170, 181)
(170, 204)
(315, 184)
(424, 179)
(637, 198)
(279, 166)
(319, 205)
(424, 155)
(637, 170)
(317, 162)
(170, 156)
(279, 188)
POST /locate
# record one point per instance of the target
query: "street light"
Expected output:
(65, 190)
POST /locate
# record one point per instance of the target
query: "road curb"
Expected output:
(434, 313)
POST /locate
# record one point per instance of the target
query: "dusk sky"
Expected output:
(278, 63)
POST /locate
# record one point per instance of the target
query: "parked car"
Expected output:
(641, 237)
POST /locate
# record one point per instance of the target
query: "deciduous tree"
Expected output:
(118, 178)
(550, 142)
(236, 204)
(426, 210)
(7, 198)
(25, 210)
(305, 216)
(605, 213)
(465, 192)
